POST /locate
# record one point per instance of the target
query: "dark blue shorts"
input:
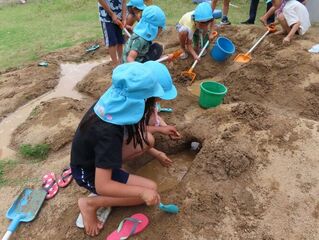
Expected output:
(86, 178)
(112, 34)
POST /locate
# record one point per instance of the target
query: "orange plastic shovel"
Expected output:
(244, 58)
(190, 74)
(172, 56)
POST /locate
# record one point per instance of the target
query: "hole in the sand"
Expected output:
(169, 178)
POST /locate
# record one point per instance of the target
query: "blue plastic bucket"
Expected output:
(223, 49)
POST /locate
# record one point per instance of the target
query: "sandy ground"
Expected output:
(255, 177)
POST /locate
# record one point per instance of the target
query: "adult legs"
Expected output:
(252, 12)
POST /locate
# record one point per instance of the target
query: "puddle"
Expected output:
(71, 74)
(168, 178)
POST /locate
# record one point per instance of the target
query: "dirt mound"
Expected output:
(53, 123)
(255, 115)
(20, 86)
(227, 161)
(97, 81)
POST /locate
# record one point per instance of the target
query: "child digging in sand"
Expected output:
(194, 26)
(114, 131)
(139, 47)
(293, 17)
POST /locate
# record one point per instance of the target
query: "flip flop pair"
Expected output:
(51, 185)
(129, 226)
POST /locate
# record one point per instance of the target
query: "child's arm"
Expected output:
(190, 48)
(166, 130)
(161, 157)
(132, 56)
(105, 186)
(124, 12)
(109, 12)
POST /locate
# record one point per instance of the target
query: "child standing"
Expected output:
(139, 47)
(192, 27)
(134, 9)
(224, 20)
(112, 16)
(113, 131)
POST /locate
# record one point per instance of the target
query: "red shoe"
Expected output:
(50, 185)
(65, 178)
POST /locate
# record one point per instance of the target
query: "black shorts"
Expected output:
(86, 178)
(112, 34)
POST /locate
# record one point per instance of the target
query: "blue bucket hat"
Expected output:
(164, 78)
(139, 4)
(152, 18)
(124, 102)
(203, 12)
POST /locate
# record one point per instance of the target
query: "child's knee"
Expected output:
(152, 185)
(281, 17)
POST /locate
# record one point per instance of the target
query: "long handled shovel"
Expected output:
(24, 209)
(125, 30)
(190, 74)
(244, 58)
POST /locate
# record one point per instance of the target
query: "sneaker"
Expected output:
(225, 21)
(184, 56)
(247, 22)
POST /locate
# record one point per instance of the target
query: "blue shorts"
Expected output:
(86, 178)
(112, 34)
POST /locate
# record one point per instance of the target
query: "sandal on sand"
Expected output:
(102, 214)
(50, 185)
(92, 48)
(65, 178)
(129, 227)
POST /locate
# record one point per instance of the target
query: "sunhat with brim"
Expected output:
(203, 12)
(164, 78)
(152, 18)
(139, 4)
(124, 102)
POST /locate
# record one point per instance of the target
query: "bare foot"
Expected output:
(263, 21)
(286, 41)
(92, 225)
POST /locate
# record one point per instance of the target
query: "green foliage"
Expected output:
(38, 152)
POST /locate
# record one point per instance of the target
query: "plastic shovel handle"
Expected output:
(126, 32)
(162, 59)
(7, 235)
(200, 54)
(257, 43)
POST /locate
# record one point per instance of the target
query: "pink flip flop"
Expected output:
(50, 185)
(65, 178)
(129, 227)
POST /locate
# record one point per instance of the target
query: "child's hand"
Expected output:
(150, 197)
(196, 57)
(164, 160)
(169, 130)
(116, 20)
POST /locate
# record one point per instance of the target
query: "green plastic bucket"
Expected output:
(211, 94)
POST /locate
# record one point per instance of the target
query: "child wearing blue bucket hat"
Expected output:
(113, 131)
(193, 29)
(112, 15)
(156, 124)
(134, 11)
(139, 47)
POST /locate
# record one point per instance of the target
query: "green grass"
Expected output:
(37, 152)
(40, 26)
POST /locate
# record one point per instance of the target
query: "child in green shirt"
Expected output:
(139, 47)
